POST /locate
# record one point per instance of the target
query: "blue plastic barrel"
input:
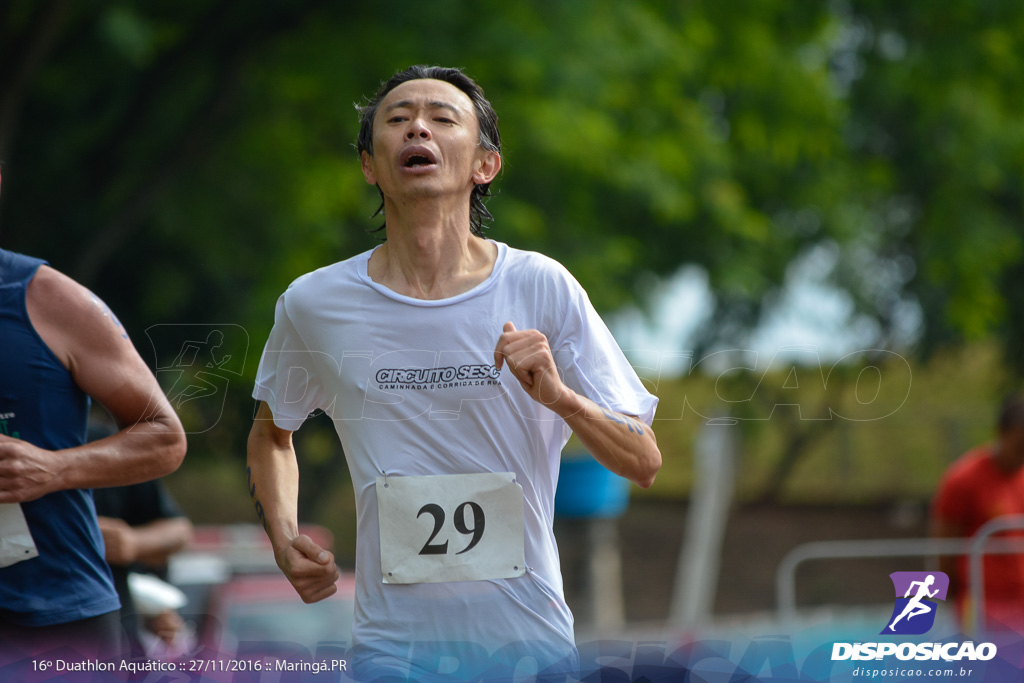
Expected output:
(586, 489)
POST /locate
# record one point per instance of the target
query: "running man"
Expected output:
(60, 346)
(983, 484)
(915, 606)
(455, 368)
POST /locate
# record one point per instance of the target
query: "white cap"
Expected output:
(153, 595)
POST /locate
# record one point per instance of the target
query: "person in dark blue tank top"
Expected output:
(59, 345)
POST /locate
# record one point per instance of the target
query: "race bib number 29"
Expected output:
(458, 527)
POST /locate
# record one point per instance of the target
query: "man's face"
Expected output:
(1011, 443)
(426, 143)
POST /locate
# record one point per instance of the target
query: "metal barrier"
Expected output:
(980, 542)
(975, 547)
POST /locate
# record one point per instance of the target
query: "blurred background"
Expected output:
(805, 217)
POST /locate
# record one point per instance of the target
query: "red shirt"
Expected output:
(974, 490)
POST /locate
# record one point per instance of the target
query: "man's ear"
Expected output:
(488, 167)
(367, 163)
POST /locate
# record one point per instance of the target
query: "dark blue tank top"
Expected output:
(40, 403)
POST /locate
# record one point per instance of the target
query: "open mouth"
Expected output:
(417, 160)
(417, 157)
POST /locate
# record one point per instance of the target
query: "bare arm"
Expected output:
(274, 487)
(151, 544)
(620, 442)
(89, 341)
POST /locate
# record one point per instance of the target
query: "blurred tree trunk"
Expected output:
(801, 436)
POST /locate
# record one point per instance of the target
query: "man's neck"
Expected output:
(430, 252)
(1003, 461)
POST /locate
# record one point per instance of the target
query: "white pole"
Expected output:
(693, 597)
(605, 586)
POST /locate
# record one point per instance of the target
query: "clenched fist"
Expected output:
(530, 360)
(27, 472)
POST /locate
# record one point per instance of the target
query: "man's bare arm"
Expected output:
(622, 443)
(151, 543)
(89, 341)
(273, 474)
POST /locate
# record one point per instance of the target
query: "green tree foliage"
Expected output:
(937, 138)
(193, 158)
(189, 158)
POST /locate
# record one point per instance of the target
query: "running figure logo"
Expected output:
(914, 612)
(195, 369)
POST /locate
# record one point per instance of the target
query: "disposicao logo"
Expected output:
(914, 612)
(912, 615)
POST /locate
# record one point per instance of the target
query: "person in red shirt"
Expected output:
(985, 483)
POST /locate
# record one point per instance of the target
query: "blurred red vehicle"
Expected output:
(264, 609)
(238, 596)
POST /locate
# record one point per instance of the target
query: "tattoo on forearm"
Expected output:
(634, 426)
(255, 501)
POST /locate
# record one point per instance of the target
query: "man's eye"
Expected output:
(396, 119)
(442, 119)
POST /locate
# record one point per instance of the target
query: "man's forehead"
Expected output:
(426, 91)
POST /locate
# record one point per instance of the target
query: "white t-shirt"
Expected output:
(412, 390)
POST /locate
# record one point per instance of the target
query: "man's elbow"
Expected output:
(649, 470)
(183, 532)
(176, 450)
(265, 435)
(180, 448)
(172, 445)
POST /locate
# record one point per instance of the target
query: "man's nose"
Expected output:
(417, 128)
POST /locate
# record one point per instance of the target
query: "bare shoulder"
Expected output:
(69, 317)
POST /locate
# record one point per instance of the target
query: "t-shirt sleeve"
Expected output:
(137, 504)
(592, 364)
(287, 378)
